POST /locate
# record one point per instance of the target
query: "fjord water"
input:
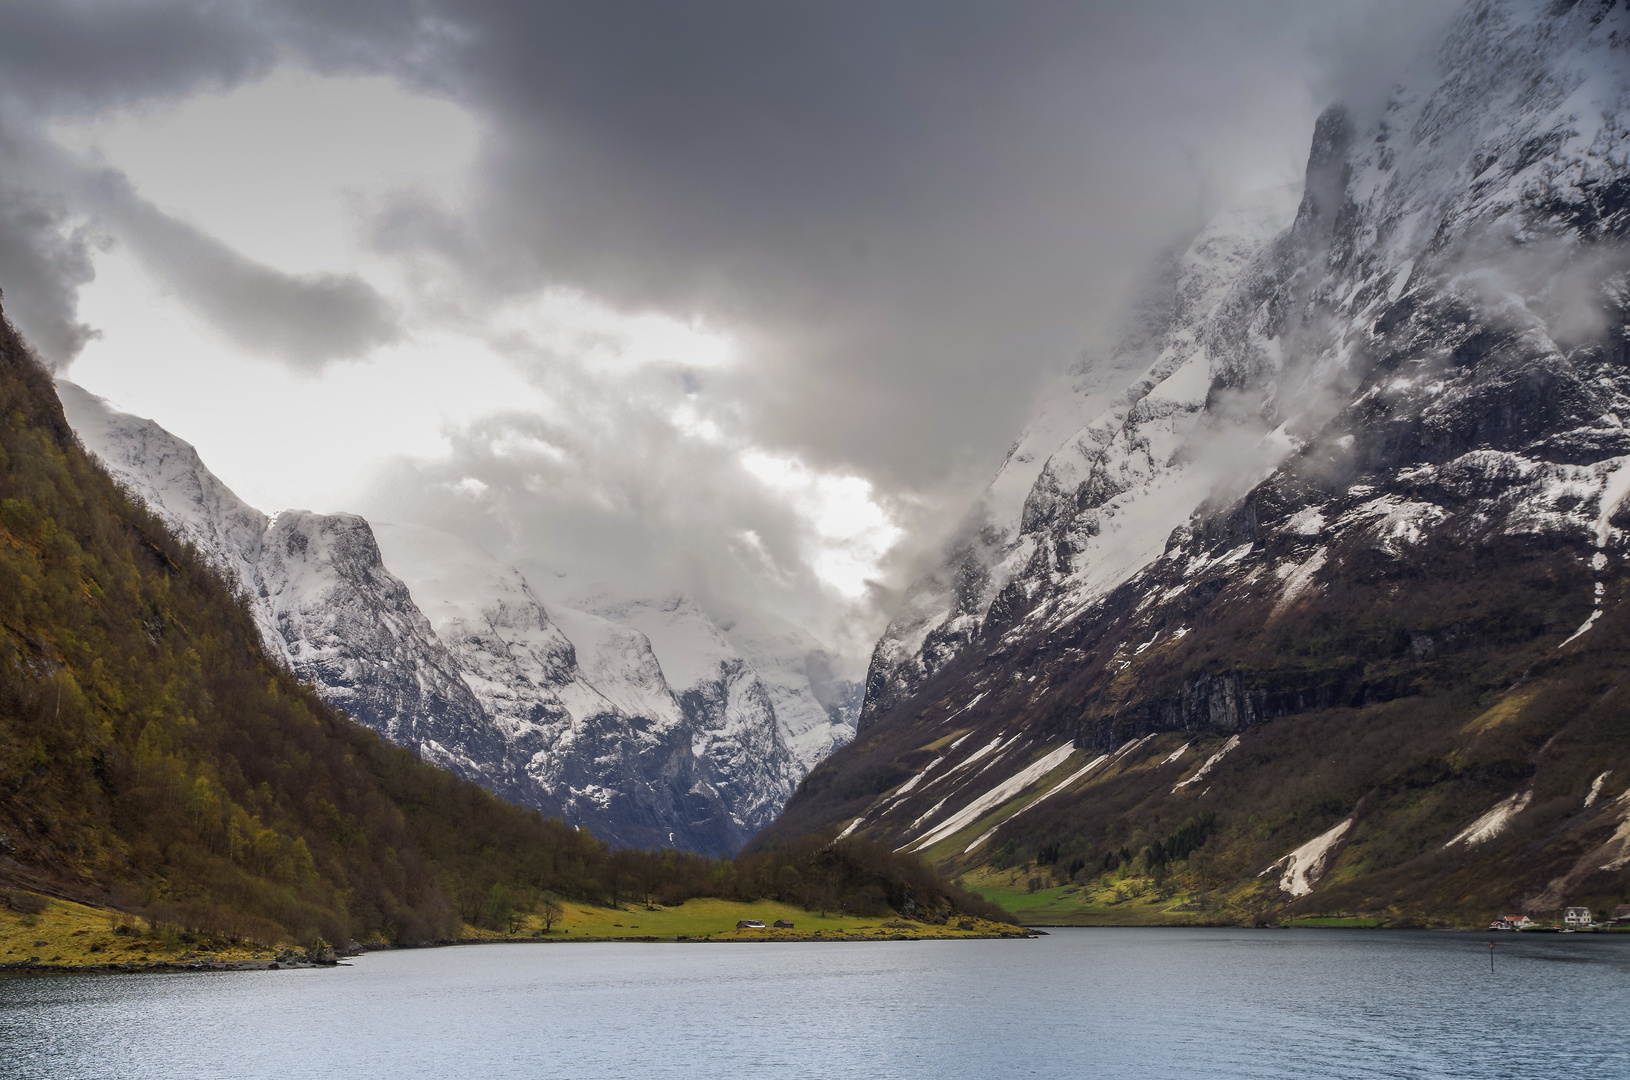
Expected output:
(1090, 1002)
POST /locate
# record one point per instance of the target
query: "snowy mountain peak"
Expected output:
(1468, 201)
(1100, 436)
(647, 726)
(168, 476)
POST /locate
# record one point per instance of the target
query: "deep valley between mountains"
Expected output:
(1303, 604)
(641, 719)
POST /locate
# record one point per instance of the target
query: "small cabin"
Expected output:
(1576, 918)
(782, 924)
(1621, 913)
(750, 924)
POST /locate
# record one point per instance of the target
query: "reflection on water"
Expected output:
(1078, 1003)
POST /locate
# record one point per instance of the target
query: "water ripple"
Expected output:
(1146, 1004)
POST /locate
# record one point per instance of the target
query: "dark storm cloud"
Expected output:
(60, 59)
(912, 203)
(69, 56)
(919, 208)
(52, 211)
(305, 320)
(43, 261)
(73, 58)
(907, 213)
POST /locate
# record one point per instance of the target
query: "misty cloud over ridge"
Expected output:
(43, 262)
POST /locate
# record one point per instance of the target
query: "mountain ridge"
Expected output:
(491, 687)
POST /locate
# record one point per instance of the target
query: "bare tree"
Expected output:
(550, 911)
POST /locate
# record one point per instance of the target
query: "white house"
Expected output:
(1577, 918)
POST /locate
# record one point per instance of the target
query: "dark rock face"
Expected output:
(353, 631)
(1370, 480)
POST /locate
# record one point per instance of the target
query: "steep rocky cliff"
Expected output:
(571, 711)
(1343, 565)
(322, 598)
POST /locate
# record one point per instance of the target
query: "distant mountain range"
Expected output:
(645, 721)
(1319, 576)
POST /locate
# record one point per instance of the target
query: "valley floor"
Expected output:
(715, 920)
(66, 936)
(63, 934)
(1104, 901)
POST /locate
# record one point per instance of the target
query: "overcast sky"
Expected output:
(742, 298)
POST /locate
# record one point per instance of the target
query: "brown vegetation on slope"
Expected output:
(1409, 695)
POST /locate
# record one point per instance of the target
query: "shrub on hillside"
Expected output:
(23, 903)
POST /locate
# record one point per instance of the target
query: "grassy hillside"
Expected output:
(151, 756)
(1407, 699)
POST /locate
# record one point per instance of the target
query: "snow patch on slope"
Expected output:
(1210, 763)
(1039, 799)
(997, 795)
(1301, 869)
(1493, 822)
(1297, 578)
(1596, 789)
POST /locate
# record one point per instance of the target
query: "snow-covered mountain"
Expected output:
(1102, 446)
(1343, 564)
(1475, 194)
(318, 589)
(815, 706)
(639, 721)
(737, 666)
(681, 702)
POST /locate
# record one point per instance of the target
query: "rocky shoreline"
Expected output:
(37, 966)
(284, 961)
(46, 967)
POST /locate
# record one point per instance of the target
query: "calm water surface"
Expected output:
(1078, 1003)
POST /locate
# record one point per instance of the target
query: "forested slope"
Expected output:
(151, 755)
(154, 759)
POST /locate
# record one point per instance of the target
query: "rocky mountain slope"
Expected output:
(563, 709)
(1335, 582)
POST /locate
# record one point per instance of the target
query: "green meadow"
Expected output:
(1111, 900)
(715, 920)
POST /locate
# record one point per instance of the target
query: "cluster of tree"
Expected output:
(854, 875)
(1179, 845)
(1067, 860)
(153, 757)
